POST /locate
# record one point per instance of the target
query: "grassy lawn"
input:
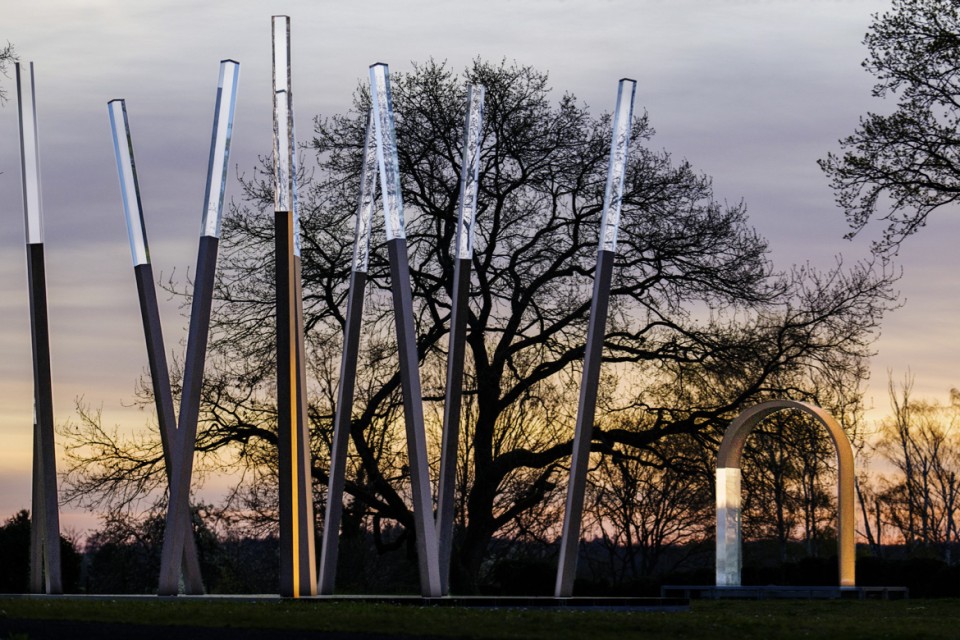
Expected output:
(707, 620)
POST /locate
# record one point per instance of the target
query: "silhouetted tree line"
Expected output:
(123, 556)
(15, 556)
(915, 500)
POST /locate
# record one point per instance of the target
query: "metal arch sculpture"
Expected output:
(728, 489)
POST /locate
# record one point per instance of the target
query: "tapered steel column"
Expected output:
(297, 553)
(159, 375)
(37, 521)
(45, 517)
(329, 550)
(150, 314)
(619, 146)
(459, 309)
(424, 526)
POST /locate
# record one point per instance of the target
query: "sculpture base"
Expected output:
(526, 602)
(471, 602)
(786, 592)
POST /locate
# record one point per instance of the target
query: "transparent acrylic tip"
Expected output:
(386, 138)
(220, 148)
(29, 153)
(619, 147)
(129, 185)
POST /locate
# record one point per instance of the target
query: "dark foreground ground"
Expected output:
(25, 629)
(215, 619)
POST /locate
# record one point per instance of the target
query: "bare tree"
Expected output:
(921, 439)
(700, 322)
(904, 166)
(7, 55)
(642, 503)
(789, 479)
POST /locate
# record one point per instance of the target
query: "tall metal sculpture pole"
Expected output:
(348, 366)
(45, 515)
(297, 552)
(150, 313)
(178, 521)
(425, 528)
(569, 542)
(466, 219)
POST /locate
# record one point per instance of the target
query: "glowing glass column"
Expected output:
(389, 167)
(150, 313)
(45, 573)
(728, 527)
(593, 352)
(329, 550)
(297, 552)
(466, 223)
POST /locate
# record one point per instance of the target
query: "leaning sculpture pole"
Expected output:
(150, 313)
(297, 552)
(380, 158)
(609, 225)
(329, 550)
(178, 520)
(45, 573)
(463, 261)
(389, 168)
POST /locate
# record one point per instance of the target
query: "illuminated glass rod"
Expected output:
(220, 148)
(129, 185)
(30, 154)
(620, 143)
(387, 149)
(368, 192)
(470, 171)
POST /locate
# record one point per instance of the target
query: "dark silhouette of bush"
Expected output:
(524, 577)
(925, 577)
(123, 556)
(245, 565)
(15, 557)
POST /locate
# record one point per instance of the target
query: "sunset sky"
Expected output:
(751, 92)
